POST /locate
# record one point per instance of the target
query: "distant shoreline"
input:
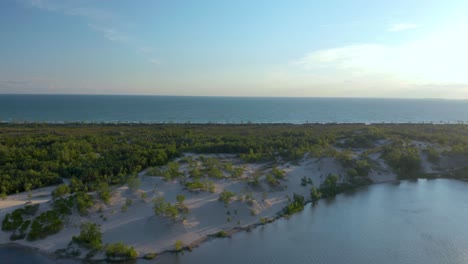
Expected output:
(241, 97)
(227, 110)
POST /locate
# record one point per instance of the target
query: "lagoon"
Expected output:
(413, 222)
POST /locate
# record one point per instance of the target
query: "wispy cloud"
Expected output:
(434, 62)
(99, 20)
(401, 27)
(112, 34)
(155, 61)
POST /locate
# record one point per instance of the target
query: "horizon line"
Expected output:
(236, 96)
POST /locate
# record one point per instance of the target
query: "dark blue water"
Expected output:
(163, 109)
(10, 254)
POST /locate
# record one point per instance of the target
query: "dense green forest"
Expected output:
(37, 155)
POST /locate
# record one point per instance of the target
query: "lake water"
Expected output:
(413, 222)
(160, 109)
(11, 254)
(419, 222)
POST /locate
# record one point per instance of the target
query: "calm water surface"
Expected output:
(413, 222)
(419, 222)
(180, 109)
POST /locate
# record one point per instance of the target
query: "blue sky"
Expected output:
(343, 48)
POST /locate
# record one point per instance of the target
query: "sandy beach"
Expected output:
(139, 227)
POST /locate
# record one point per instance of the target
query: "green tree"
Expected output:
(296, 205)
(134, 183)
(90, 236)
(329, 186)
(104, 192)
(61, 190)
(180, 199)
(27, 188)
(315, 194)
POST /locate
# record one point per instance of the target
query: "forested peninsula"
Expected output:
(123, 191)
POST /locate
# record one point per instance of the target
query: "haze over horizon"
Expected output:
(403, 49)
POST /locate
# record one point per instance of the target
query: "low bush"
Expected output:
(83, 202)
(226, 196)
(198, 185)
(46, 224)
(64, 206)
(90, 236)
(221, 234)
(179, 245)
(121, 251)
(329, 187)
(404, 159)
(295, 206)
(61, 190)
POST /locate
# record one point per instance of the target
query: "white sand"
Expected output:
(139, 226)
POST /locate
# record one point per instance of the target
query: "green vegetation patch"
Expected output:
(84, 201)
(403, 158)
(226, 196)
(150, 256)
(121, 251)
(46, 224)
(64, 206)
(166, 209)
(61, 190)
(294, 206)
(329, 187)
(198, 185)
(37, 155)
(90, 236)
(178, 245)
(222, 234)
(13, 221)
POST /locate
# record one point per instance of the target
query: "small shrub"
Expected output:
(104, 192)
(237, 172)
(329, 186)
(61, 190)
(150, 256)
(315, 194)
(215, 173)
(134, 183)
(64, 206)
(166, 209)
(272, 180)
(197, 185)
(90, 236)
(226, 196)
(121, 251)
(296, 205)
(128, 202)
(172, 171)
(221, 234)
(179, 245)
(352, 172)
(83, 202)
(278, 173)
